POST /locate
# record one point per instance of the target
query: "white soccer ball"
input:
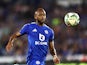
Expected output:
(71, 19)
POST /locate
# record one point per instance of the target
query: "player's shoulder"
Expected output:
(26, 25)
(49, 28)
(30, 24)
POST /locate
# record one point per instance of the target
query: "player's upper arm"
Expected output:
(51, 38)
(51, 44)
(24, 29)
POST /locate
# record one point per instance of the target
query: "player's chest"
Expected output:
(40, 33)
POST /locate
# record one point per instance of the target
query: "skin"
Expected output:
(40, 16)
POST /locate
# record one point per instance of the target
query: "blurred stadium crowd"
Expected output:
(68, 40)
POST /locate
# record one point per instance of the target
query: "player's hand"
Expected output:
(9, 47)
(56, 59)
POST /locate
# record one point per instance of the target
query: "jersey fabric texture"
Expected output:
(38, 42)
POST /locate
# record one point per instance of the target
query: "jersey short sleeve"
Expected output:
(51, 35)
(24, 29)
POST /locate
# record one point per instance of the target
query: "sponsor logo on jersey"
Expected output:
(40, 43)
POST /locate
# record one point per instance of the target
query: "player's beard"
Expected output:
(41, 22)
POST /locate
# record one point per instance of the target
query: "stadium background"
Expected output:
(70, 42)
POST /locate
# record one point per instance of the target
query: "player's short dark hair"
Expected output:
(40, 9)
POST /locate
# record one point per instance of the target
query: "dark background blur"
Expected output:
(70, 42)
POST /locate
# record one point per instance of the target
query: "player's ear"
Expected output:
(35, 16)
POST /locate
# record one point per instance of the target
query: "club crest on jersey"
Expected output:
(34, 30)
(46, 31)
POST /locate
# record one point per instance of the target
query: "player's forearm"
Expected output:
(13, 37)
(53, 52)
(52, 48)
(11, 40)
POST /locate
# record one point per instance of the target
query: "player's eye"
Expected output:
(42, 14)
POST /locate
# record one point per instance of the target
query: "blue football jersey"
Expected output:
(38, 40)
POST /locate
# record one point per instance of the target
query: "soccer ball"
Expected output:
(71, 19)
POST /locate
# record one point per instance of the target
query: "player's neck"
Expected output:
(40, 24)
